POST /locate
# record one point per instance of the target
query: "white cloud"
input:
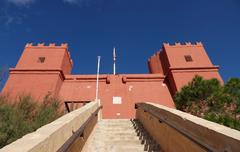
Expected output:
(10, 16)
(21, 2)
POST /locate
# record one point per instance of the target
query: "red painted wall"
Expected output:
(37, 84)
(30, 76)
(168, 68)
(56, 58)
(131, 88)
(177, 70)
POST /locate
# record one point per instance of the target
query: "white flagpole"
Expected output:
(97, 84)
(114, 61)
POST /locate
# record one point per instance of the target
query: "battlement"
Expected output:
(50, 45)
(186, 44)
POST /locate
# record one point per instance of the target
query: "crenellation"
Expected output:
(29, 45)
(52, 44)
(166, 44)
(185, 44)
(199, 44)
(64, 45)
(188, 43)
(69, 54)
(40, 44)
(178, 44)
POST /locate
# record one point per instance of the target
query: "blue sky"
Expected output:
(137, 28)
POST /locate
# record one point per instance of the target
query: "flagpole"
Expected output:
(97, 84)
(114, 61)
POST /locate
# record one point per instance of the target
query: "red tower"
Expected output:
(39, 71)
(180, 63)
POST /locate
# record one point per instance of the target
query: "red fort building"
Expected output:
(43, 70)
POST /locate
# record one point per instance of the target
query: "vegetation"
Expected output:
(25, 116)
(211, 100)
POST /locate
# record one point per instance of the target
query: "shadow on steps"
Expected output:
(149, 143)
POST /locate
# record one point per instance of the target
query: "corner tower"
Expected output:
(181, 62)
(39, 71)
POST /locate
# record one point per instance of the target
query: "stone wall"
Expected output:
(178, 131)
(52, 136)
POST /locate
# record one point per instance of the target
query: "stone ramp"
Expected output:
(120, 135)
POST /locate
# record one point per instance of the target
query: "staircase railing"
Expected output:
(186, 132)
(80, 132)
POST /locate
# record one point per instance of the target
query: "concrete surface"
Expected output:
(117, 135)
(51, 137)
(213, 135)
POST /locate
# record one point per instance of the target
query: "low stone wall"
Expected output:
(51, 137)
(79, 143)
(177, 131)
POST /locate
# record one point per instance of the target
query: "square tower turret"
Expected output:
(43, 57)
(181, 62)
(40, 71)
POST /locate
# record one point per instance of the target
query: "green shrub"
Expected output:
(47, 111)
(25, 116)
(212, 101)
(197, 90)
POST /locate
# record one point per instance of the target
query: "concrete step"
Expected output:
(126, 148)
(120, 148)
(116, 130)
(118, 122)
(113, 148)
(116, 139)
(115, 120)
(123, 142)
(115, 136)
(115, 124)
(114, 127)
(118, 135)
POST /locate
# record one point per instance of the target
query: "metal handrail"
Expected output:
(78, 133)
(162, 119)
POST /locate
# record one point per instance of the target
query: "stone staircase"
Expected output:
(120, 135)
